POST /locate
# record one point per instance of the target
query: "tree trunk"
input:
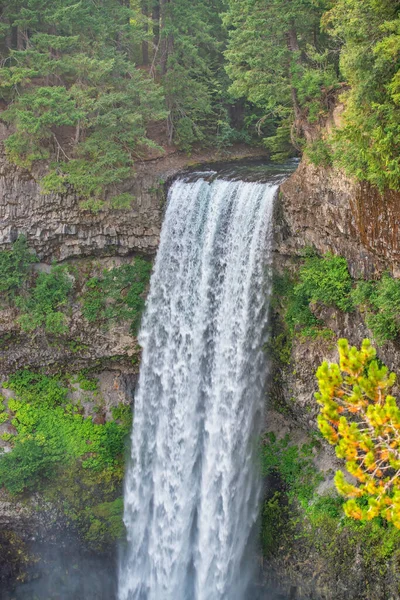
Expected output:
(167, 41)
(156, 23)
(145, 43)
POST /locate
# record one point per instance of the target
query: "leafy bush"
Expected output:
(381, 303)
(319, 153)
(324, 279)
(41, 307)
(29, 460)
(85, 383)
(15, 265)
(118, 294)
(53, 434)
(294, 465)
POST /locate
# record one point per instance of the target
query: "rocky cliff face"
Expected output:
(58, 228)
(322, 208)
(316, 206)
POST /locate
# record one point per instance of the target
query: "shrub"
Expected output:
(319, 153)
(324, 279)
(294, 465)
(29, 460)
(15, 265)
(118, 294)
(52, 434)
(41, 307)
(381, 303)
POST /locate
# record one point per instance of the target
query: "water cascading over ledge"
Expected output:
(193, 487)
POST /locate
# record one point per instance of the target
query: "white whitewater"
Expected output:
(192, 490)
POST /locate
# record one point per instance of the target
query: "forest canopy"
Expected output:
(92, 87)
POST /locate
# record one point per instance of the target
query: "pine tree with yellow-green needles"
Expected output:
(361, 418)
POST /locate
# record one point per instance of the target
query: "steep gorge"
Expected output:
(316, 207)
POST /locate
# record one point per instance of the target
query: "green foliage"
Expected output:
(380, 301)
(76, 97)
(319, 153)
(366, 144)
(314, 333)
(118, 294)
(274, 515)
(278, 58)
(91, 501)
(122, 414)
(53, 434)
(279, 143)
(294, 465)
(15, 266)
(22, 468)
(41, 307)
(74, 93)
(318, 527)
(280, 347)
(106, 523)
(76, 464)
(324, 279)
(86, 384)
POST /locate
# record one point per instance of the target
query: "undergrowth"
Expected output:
(56, 449)
(326, 280)
(15, 265)
(296, 521)
(380, 303)
(118, 294)
(45, 299)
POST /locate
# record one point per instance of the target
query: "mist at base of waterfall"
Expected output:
(64, 571)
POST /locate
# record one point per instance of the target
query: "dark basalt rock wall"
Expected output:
(322, 207)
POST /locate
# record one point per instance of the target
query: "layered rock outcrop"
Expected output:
(321, 207)
(58, 228)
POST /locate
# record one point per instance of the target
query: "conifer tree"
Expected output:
(366, 145)
(73, 93)
(279, 59)
(362, 420)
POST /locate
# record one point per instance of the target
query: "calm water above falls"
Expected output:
(193, 490)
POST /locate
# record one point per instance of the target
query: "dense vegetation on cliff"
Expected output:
(94, 87)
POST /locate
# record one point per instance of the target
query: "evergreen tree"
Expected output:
(73, 93)
(360, 417)
(367, 144)
(189, 40)
(279, 59)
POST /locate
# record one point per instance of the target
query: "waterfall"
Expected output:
(193, 488)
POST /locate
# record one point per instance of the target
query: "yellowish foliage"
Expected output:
(362, 420)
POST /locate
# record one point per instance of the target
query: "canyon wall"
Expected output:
(316, 207)
(321, 208)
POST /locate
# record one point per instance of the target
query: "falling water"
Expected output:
(192, 490)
